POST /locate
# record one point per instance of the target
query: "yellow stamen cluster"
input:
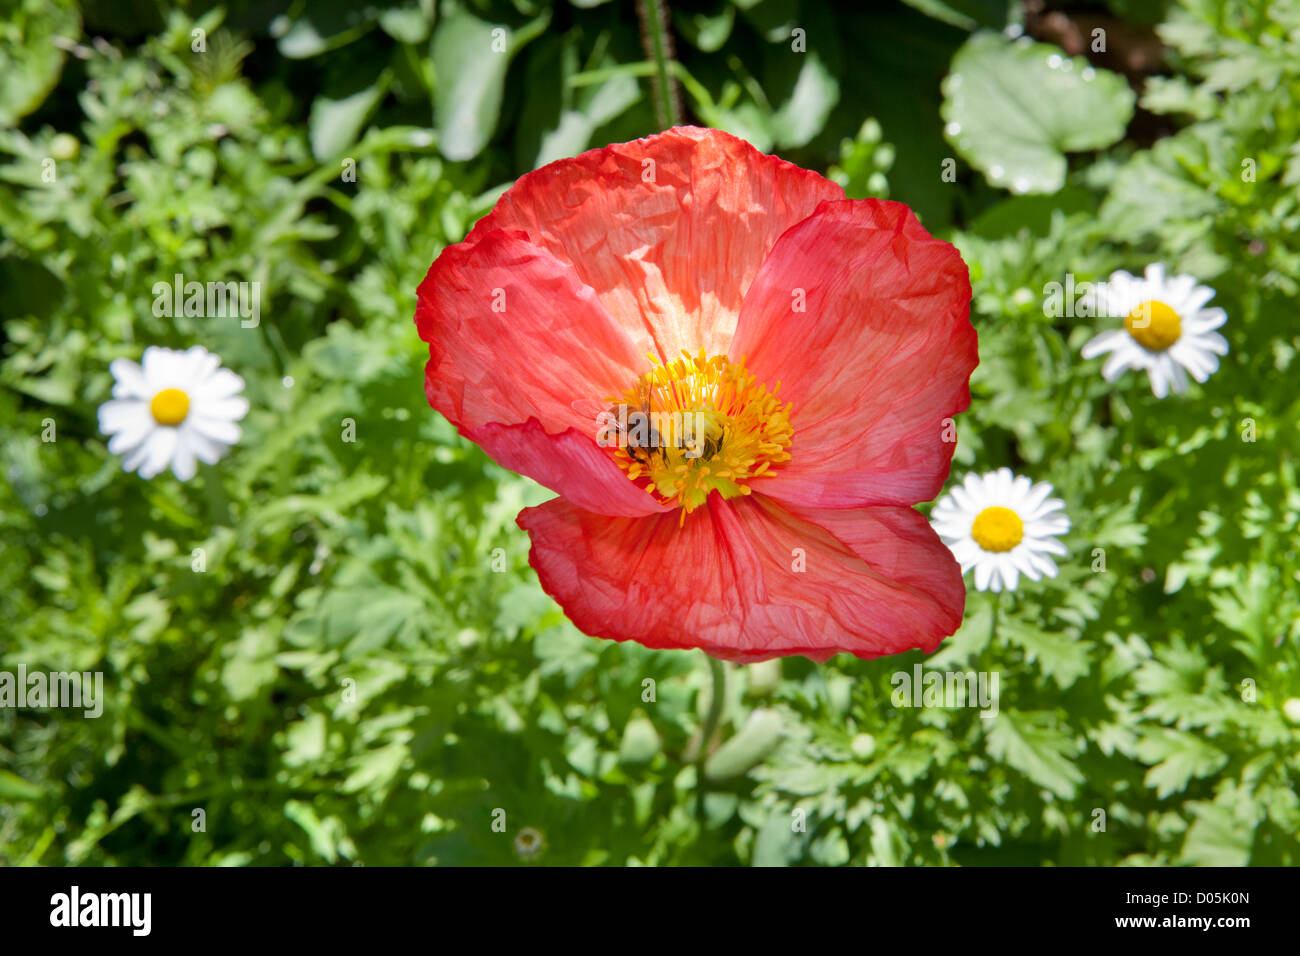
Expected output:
(170, 406)
(1154, 325)
(718, 428)
(997, 529)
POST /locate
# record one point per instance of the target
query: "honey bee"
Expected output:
(633, 427)
(625, 426)
(712, 445)
(636, 431)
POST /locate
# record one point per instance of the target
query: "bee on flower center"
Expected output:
(635, 430)
(696, 425)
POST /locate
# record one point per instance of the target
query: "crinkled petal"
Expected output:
(747, 580)
(863, 317)
(669, 230)
(515, 337)
(570, 461)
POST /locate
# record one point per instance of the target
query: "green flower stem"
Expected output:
(719, 674)
(654, 29)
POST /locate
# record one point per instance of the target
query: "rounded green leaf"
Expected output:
(815, 93)
(1012, 110)
(471, 57)
(336, 122)
(409, 23)
(640, 742)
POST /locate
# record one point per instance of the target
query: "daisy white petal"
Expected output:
(159, 366)
(1211, 341)
(1037, 504)
(1195, 302)
(174, 408)
(184, 465)
(1102, 343)
(221, 384)
(159, 448)
(130, 439)
(129, 380)
(200, 364)
(1043, 564)
(1047, 545)
(1116, 365)
(1176, 373)
(1166, 328)
(1002, 527)
(225, 432)
(122, 413)
(1201, 364)
(205, 449)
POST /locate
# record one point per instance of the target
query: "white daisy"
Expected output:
(1002, 526)
(178, 407)
(1167, 329)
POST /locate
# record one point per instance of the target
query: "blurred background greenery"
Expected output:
(365, 669)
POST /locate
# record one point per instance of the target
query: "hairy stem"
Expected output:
(659, 48)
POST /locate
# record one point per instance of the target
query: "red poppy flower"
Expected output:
(812, 346)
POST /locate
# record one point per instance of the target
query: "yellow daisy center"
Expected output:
(170, 406)
(997, 529)
(1154, 325)
(700, 424)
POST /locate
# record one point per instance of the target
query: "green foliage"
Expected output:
(1012, 111)
(29, 56)
(336, 650)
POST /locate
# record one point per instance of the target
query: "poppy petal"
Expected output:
(669, 230)
(513, 334)
(863, 317)
(746, 580)
(570, 461)
(519, 353)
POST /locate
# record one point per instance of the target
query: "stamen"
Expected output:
(714, 427)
